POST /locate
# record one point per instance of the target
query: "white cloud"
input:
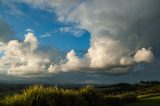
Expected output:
(20, 57)
(29, 30)
(127, 60)
(105, 53)
(72, 63)
(108, 58)
(1, 43)
(31, 41)
(144, 55)
(45, 35)
(75, 30)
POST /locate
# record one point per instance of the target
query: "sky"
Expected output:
(79, 41)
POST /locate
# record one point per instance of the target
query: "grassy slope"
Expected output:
(149, 100)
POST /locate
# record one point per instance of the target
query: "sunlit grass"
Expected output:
(53, 96)
(41, 96)
(147, 100)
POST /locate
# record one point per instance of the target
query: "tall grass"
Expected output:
(53, 96)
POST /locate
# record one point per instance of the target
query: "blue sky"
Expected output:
(43, 22)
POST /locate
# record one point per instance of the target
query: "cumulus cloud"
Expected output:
(105, 53)
(31, 41)
(126, 60)
(101, 58)
(97, 57)
(71, 63)
(20, 57)
(144, 55)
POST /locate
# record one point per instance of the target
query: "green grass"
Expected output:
(147, 100)
(153, 98)
(149, 95)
